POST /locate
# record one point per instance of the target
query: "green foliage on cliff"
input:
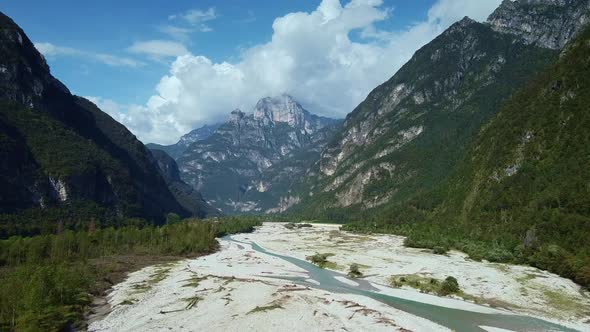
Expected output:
(522, 193)
(461, 79)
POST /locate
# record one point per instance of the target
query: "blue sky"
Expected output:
(124, 54)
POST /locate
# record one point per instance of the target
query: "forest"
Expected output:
(48, 281)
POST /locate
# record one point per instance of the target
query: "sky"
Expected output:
(163, 68)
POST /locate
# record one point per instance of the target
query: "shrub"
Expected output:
(354, 271)
(449, 286)
(439, 250)
(319, 259)
(499, 255)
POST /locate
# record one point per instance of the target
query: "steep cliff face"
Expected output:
(229, 166)
(545, 23)
(410, 132)
(176, 150)
(59, 149)
(190, 199)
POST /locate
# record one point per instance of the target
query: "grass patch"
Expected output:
(160, 274)
(564, 303)
(128, 302)
(321, 260)
(354, 271)
(426, 284)
(526, 278)
(194, 281)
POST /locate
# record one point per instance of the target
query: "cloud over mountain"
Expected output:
(311, 56)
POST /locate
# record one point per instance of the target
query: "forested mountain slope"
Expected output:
(187, 196)
(411, 132)
(59, 151)
(523, 191)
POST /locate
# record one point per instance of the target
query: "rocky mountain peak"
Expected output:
(466, 21)
(460, 26)
(27, 80)
(545, 23)
(236, 115)
(282, 108)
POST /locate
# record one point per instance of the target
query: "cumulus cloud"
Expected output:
(310, 56)
(159, 48)
(51, 50)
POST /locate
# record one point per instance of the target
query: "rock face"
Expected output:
(410, 132)
(235, 168)
(59, 150)
(176, 150)
(190, 199)
(545, 23)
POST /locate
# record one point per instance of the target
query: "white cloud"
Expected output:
(178, 33)
(133, 116)
(51, 50)
(197, 18)
(310, 56)
(159, 48)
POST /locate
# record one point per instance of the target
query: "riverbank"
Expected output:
(238, 288)
(520, 289)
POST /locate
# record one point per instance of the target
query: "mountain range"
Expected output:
(247, 162)
(410, 133)
(479, 141)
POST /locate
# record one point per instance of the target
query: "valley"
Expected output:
(357, 165)
(261, 281)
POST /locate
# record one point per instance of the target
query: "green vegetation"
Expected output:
(439, 250)
(93, 156)
(292, 225)
(522, 194)
(449, 286)
(47, 281)
(354, 271)
(427, 284)
(464, 88)
(320, 260)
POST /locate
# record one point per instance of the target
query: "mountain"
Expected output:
(522, 194)
(231, 167)
(528, 172)
(176, 150)
(59, 151)
(412, 131)
(545, 23)
(190, 199)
